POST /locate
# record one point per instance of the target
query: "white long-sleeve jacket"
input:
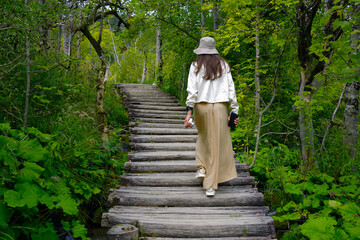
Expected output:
(211, 91)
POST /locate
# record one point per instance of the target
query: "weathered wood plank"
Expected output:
(159, 120)
(195, 198)
(163, 131)
(161, 155)
(221, 211)
(157, 125)
(177, 179)
(155, 111)
(153, 115)
(171, 166)
(155, 107)
(162, 138)
(196, 225)
(164, 146)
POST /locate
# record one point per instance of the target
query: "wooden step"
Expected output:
(163, 146)
(158, 125)
(185, 196)
(172, 166)
(163, 131)
(196, 225)
(155, 107)
(205, 238)
(156, 116)
(159, 120)
(157, 100)
(162, 138)
(161, 112)
(161, 155)
(151, 104)
(177, 179)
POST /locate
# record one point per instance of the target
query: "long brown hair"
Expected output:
(212, 64)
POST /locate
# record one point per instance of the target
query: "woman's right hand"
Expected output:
(186, 121)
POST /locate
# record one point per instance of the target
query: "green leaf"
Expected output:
(68, 204)
(31, 171)
(32, 150)
(321, 228)
(13, 199)
(5, 215)
(334, 204)
(48, 232)
(292, 188)
(289, 216)
(78, 230)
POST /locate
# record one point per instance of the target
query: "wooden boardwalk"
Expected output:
(161, 195)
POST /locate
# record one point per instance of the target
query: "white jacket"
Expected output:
(211, 91)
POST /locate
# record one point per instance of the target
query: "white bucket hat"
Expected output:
(207, 46)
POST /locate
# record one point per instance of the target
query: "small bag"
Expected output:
(231, 123)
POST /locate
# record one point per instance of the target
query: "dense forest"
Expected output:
(63, 137)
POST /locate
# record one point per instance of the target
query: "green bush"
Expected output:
(47, 182)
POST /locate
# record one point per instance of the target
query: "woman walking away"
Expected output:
(210, 89)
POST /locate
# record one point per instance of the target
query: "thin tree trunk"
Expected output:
(159, 60)
(331, 123)
(101, 23)
(203, 19)
(215, 15)
(59, 39)
(144, 69)
(114, 47)
(350, 116)
(27, 93)
(257, 73)
(100, 87)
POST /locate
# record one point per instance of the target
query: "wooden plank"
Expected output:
(161, 155)
(197, 198)
(153, 115)
(156, 111)
(203, 211)
(171, 166)
(163, 131)
(220, 238)
(177, 179)
(196, 225)
(155, 107)
(157, 100)
(142, 103)
(162, 138)
(159, 120)
(164, 146)
(157, 125)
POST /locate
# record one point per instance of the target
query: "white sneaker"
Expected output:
(200, 173)
(210, 192)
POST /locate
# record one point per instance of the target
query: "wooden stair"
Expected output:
(161, 195)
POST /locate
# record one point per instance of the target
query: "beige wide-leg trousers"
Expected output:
(214, 150)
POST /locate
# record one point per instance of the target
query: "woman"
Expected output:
(210, 89)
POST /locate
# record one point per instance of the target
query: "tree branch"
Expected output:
(331, 123)
(178, 27)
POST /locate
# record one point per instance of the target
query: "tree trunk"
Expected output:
(350, 116)
(114, 47)
(100, 86)
(59, 39)
(144, 69)
(203, 19)
(215, 15)
(257, 74)
(27, 93)
(159, 60)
